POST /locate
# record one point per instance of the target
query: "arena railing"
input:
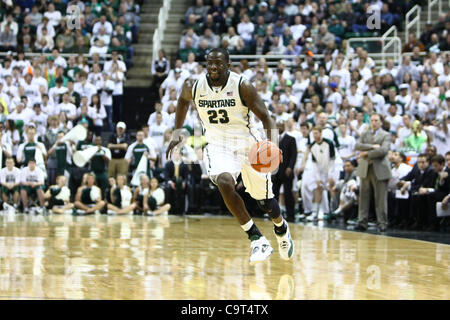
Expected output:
(65, 55)
(158, 35)
(414, 22)
(272, 60)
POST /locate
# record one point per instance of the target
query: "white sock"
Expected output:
(283, 207)
(279, 224)
(338, 210)
(247, 226)
(314, 208)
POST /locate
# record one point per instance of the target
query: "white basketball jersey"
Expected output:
(225, 117)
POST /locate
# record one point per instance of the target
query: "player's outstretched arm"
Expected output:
(254, 102)
(180, 115)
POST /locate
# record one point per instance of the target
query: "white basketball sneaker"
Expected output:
(261, 250)
(285, 244)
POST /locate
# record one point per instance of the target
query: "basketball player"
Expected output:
(224, 100)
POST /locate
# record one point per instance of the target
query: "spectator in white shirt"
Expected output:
(83, 87)
(158, 109)
(105, 87)
(297, 29)
(102, 23)
(99, 47)
(69, 108)
(97, 113)
(157, 130)
(48, 26)
(53, 15)
(101, 35)
(117, 76)
(245, 29)
(395, 120)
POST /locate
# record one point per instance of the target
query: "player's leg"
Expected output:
(259, 185)
(223, 167)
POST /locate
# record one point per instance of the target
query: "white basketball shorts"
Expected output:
(220, 159)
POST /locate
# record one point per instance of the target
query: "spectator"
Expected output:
(160, 69)
(10, 182)
(88, 198)
(32, 185)
(176, 175)
(8, 40)
(183, 53)
(118, 144)
(374, 171)
(199, 11)
(285, 174)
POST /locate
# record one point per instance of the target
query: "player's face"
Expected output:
(216, 66)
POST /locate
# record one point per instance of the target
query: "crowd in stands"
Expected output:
(284, 27)
(336, 94)
(83, 27)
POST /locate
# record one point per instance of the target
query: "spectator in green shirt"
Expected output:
(183, 53)
(416, 142)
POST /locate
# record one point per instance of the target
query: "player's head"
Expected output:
(10, 162)
(217, 63)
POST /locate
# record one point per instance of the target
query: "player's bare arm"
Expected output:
(183, 104)
(254, 102)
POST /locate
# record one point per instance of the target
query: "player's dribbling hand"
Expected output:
(172, 144)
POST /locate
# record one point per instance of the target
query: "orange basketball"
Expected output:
(265, 156)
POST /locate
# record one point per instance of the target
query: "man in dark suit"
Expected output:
(284, 175)
(176, 175)
(374, 171)
(412, 211)
(439, 190)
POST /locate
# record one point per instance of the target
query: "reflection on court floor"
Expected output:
(135, 257)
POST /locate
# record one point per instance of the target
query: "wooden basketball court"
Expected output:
(135, 257)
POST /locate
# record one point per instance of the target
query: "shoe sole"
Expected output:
(253, 263)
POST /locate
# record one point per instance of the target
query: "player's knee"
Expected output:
(270, 206)
(225, 182)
